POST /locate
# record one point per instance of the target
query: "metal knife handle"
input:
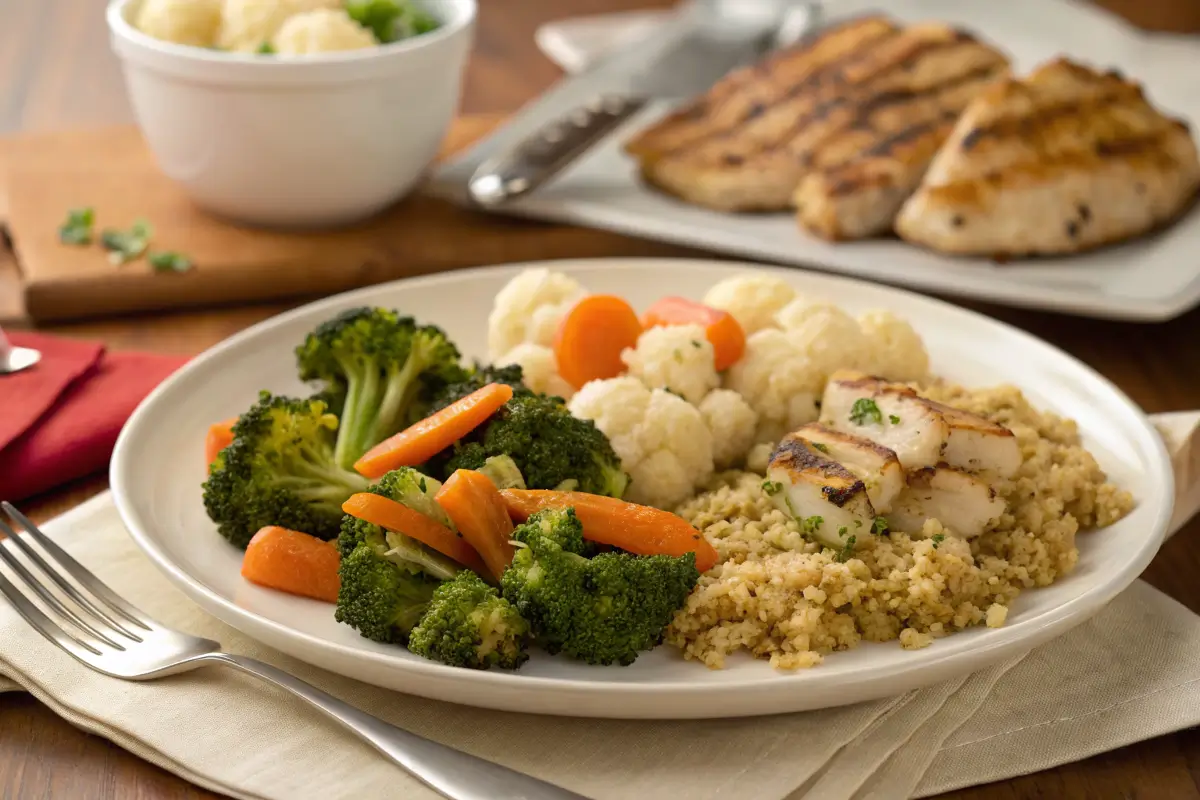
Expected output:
(550, 150)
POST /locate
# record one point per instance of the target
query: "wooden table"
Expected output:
(65, 76)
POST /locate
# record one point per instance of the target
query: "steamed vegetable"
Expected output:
(280, 470)
(293, 562)
(720, 328)
(592, 336)
(602, 610)
(468, 624)
(423, 440)
(386, 369)
(633, 528)
(479, 512)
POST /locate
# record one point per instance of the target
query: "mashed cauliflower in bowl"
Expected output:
(293, 113)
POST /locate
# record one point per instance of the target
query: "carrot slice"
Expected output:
(591, 336)
(293, 562)
(220, 436)
(479, 512)
(721, 329)
(420, 442)
(387, 513)
(638, 529)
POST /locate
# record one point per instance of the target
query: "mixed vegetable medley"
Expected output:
(455, 508)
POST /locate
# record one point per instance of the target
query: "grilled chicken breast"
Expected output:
(873, 464)
(889, 414)
(1063, 160)
(827, 500)
(921, 432)
(841, 126)
(964, 504)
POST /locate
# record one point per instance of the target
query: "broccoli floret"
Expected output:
(548, 444)
(380, 598)
(479, 376)
(280, 470)
(469, 624)
(601, 610)
(385, 367)
(417, 491)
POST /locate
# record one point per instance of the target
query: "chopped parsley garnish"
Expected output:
(266, 49)
(422, 486)
(811, 524)
(772, 487)
(893, 419)
(695, 344)
(865, 411)
(937, 539)
(858, 523)
(847, 551)
(77, 229)
(678, 356)
(820, 447)
(842, 531)
(125, 246)
(163, 261)
(879, 526)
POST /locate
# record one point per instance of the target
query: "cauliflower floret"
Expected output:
(674, 357)
(776, 377)
(190, 22)
(896, 350)
(661, 439)
(539, 369)
(321, 31)
(830, 338)
(246, 25)
(752, 298)
(759, 458)
(733, 424)
(529, 308)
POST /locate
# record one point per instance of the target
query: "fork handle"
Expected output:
(549, 150)
(454, 774)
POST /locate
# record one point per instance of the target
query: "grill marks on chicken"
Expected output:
(860, 109)
(881, 449)
(1061, 161)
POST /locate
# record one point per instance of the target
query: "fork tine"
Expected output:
(63, 584)
(40, 622)
(76, 570)
(47, 597)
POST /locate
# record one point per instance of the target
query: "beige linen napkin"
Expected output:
(230, 733)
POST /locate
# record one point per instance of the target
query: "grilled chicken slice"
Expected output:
(828, 501)
(861, 108)
(964, 504)
(921, 432)
(1061, 161)
(875, 465)
(889, 414)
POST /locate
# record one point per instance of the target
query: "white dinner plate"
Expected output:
(1148, 279)
(157, 470)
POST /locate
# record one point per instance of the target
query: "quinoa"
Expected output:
(784, 598)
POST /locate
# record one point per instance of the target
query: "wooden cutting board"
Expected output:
(111, 171)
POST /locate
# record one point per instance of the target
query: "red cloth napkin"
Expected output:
(61, 417)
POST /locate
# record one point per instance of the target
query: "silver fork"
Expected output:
(106, 633)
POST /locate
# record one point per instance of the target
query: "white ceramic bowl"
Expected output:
(318, 140)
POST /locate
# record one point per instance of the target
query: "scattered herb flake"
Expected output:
(811, 524)
(937, 539)
(77, 229)
(163, 261)
(695, 344)
(893, 419)
(858, 523)
(820, 447)
(678, 356)
(865, 411)
(772, 487)
(879, 526)
(847, 551)
(125, 246)
(266, 49)
(842, 531)
(422, 486)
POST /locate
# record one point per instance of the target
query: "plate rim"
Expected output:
(1047, 625)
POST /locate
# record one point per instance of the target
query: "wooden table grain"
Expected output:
(56, 72)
